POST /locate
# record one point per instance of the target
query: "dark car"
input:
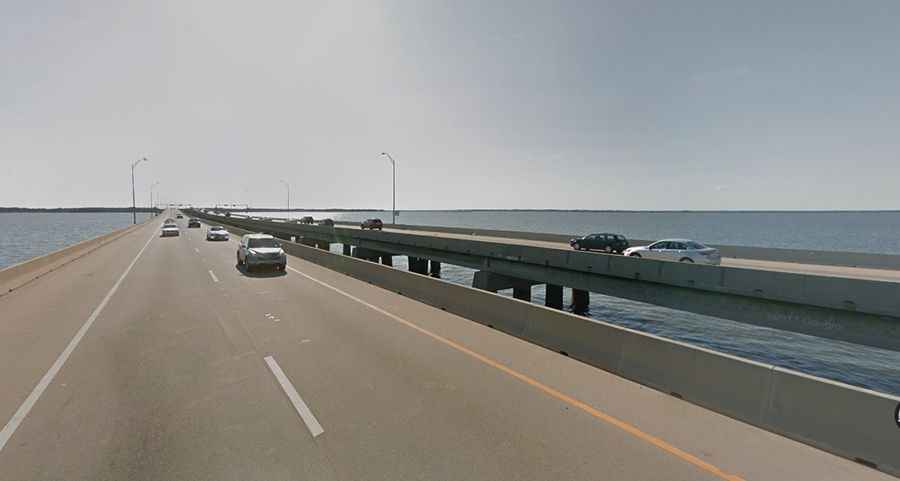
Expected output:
(602, 242)
(372, 224)
(306, 220)
(326, 222)
(192, 222)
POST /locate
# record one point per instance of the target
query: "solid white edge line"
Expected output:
(302, 409)
(348, 295)
(214, 278)
(51, 373)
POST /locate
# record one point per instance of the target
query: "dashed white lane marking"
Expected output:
(214, 278)
(302, 409)
(45, 381)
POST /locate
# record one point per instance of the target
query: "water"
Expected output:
(27, 235)
(33, 234)
(876, 232)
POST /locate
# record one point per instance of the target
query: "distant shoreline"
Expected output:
(74, 209)
(275, 209)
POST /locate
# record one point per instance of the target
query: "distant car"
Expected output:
(179, 216)
(679, 250)
(193, 222)
(258, 250)
(169, 230)
(372, 224)
(307, 220)
(602, 242)
(326, 222)
(216, 232)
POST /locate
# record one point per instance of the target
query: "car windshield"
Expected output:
(217, 228)
(267, 242)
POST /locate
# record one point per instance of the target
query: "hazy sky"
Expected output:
(484, 104)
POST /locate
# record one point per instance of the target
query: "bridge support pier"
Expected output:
(367, 254)
(418, 265)
(580, 300)
(522, 293)
(348, 249)
(554, 297)
(435, 270)
(490, 281)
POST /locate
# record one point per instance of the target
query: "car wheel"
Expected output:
(635, 255)
(576, 246)
(687, 259)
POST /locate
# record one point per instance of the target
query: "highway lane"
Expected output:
(171, 382)
(817, 269)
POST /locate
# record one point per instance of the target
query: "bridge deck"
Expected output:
(823, 270)
(171, 382)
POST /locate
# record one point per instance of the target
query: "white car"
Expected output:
(678, 250)
(261, 250)
(216, 232)
(169, 230)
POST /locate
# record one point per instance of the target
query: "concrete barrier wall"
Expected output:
(880, 298)
(800, 256)
(17, 275)
(851, 422)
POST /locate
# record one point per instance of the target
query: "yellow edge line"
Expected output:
(634, 431)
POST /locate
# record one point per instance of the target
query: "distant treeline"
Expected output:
(76, 209)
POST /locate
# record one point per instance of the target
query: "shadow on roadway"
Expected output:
(260, 272)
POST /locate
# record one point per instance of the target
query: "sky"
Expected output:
(630, 104)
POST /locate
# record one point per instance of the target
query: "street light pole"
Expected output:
(133, 201)
(289, 193)
(394, 185)
(153, 186)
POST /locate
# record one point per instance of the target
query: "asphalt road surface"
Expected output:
(157, 359)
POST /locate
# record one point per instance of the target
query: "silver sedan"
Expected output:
(678, 250)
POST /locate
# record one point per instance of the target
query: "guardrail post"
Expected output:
(348, 249)
(387, 260)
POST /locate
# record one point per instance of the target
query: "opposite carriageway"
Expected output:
(844, 296)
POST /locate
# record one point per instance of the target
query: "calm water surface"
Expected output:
(32, 234)
(23, 236)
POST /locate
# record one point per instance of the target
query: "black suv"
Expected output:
(604, 242)
(193, 222)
